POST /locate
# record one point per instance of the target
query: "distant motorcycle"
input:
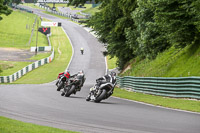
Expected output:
(82, 50)
(104, 91)
(75, 83)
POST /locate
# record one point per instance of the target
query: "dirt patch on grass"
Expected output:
(14, 54)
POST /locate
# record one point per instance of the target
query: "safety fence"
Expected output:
(180, 87)
(67, 15)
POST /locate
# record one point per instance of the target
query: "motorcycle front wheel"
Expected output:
(101, 96)
(60, 86)
(71, 90)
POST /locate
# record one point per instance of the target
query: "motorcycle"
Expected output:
(82, 52)
(104, 91)
(74, 85)
(62, 81)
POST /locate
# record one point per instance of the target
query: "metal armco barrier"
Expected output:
(180, 87)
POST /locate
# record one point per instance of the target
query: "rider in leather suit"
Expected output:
(107, 78)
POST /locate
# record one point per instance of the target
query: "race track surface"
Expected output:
(42, 104)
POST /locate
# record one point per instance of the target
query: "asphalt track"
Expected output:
(42, 104)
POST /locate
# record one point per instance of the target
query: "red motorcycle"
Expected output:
(62, 80)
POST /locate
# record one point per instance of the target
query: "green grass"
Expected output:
(40, 56)
(55, 15)
(49, 72)
(10, 67)
(13, 126)
(16, 30)
(32, 5)
(91, 10)
(111, 62)
(171, 63)
(175, 103)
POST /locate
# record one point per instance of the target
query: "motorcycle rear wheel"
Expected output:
(101, 96)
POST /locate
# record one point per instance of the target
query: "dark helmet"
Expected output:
(113, 74)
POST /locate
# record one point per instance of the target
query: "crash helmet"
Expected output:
(80, 72)
(67, 73)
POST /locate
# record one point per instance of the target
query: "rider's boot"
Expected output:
(88, 98)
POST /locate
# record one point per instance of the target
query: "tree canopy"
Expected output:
(4, 9)
(145, 28)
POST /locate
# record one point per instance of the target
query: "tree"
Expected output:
(179, 20)
(146, 39)
(4, 9)
(110, 24)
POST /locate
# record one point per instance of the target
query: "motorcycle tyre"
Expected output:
(101, 96)
(60, 86)
(70, 91)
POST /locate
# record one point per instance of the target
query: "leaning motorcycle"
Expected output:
(61, 82)
(104, 91)
(74, 85)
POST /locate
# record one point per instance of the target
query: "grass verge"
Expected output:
(13, 126)
(55, 15)
(111, 62)
(16, 30)
(175, 103)
(49, 72)
(10, 67)
(174, 62)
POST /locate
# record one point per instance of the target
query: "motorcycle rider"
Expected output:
(107, 78)
(66, 74)
(79, 75)
(102, 80)
(82, 75)
(82, 50)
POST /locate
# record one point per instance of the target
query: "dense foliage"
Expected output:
(144, 28)
(4, 9)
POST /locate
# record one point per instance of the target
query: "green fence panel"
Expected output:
(40, 48)
(39, 63)
(188, 87)
(17, 75)
(2, 79)
(33, 66)
(45, 61)
(26, 69)
(8, 79)
(22, 72)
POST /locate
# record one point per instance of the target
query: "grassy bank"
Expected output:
(13, 126)
(16, 30)
(175, 103)
(49, 72)
(111, 62)
(182, 62)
